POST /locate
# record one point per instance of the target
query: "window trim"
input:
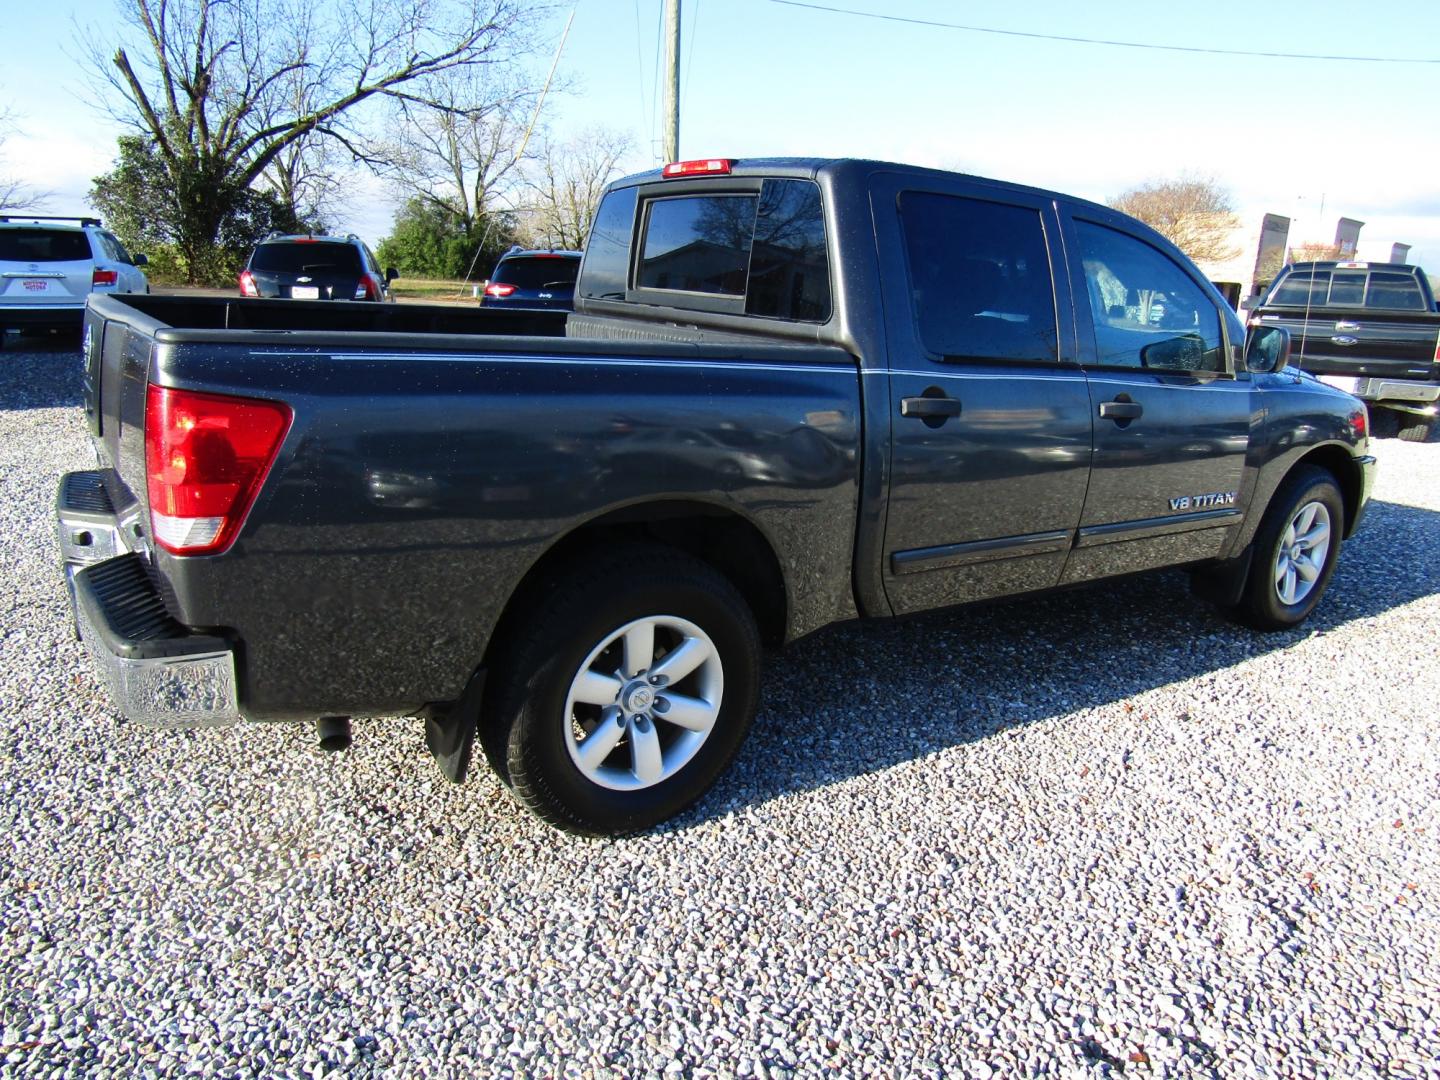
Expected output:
(1089, 357)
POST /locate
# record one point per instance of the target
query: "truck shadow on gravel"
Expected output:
(859, 698)
(40, 373)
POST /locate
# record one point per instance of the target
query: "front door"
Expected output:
(1172, 416)
(989, 418)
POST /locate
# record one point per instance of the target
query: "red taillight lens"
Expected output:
(367, 289)
(104, 277)
(704, 167)
(496, 288)
(247, 284)
(206, 456)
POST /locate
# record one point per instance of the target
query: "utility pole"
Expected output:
(672, 80)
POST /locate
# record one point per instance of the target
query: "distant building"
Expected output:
(1347, 236)
(1258, 253)
(1399, 253)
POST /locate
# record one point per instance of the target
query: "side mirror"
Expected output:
(140, 260)
(1186, 353)
(1267, 349)
(391, 274)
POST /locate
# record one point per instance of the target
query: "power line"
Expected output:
(1105, 41)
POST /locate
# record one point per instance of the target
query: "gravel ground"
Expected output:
(1100, 834)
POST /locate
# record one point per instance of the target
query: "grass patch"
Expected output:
(432, 289)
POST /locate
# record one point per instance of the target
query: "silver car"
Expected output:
(50, 265)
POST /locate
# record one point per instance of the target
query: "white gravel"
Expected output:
(1098, 833)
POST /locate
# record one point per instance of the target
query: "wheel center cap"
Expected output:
(637, 697)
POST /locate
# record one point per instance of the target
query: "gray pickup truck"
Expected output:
(792, 393)
(1371, 329)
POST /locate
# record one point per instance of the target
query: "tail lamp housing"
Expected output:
(104, 277)
(247, 284)
(206, 457)
(499, 289)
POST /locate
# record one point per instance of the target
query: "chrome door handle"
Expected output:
(1345, 324)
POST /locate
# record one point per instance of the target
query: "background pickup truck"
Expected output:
(792, 393)
(1369, 328)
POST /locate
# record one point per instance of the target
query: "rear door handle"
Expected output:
(930, 408)
(1120, 410)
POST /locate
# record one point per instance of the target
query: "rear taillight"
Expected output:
(104, 277)
(206, 456)
(703, 167)
(247, 284)
(498, 289)
(367, 289)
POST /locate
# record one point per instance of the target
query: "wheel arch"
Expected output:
(1341, 464)
(718, 535)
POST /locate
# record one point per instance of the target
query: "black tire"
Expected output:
(1416, 429)
(580, 611)
(1261, 605)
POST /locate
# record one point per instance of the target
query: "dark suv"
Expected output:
(315, 268)
(533, 279)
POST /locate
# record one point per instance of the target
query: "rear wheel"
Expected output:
(1295, 551)
(628, 692)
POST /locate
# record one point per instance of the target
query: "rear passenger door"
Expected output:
(1172, 413)
(989, 418)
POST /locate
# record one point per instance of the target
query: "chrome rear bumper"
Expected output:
(160, 673)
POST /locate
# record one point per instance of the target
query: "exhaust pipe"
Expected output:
(334, 732)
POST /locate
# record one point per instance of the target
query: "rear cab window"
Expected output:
(747, 246)
(1350, 287)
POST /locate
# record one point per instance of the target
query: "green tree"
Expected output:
(211, 85)
(429, 240)
(150, 213)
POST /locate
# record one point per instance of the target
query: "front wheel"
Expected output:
(1295, 551)
(628, 691)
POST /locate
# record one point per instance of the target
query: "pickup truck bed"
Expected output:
(792, 393)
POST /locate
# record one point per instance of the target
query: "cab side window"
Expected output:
(1147, 312)
(979, 279)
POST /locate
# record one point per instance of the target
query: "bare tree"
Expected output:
(565, 190)
(1195, 214)
(223, 88)
(459, 148)
(1314, 252)
(15, 194)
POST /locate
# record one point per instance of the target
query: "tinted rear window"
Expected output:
(1396, 291)
(699, 243)
(980, 278)
(306, 258)
(44, 245)
(1303, 289)
(538, 272)
(767, 248)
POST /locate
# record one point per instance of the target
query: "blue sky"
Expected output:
(764, 78)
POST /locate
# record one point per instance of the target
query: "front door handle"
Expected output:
(930, 408)
(1120, 410)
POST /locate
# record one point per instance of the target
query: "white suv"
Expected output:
(49, 265)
